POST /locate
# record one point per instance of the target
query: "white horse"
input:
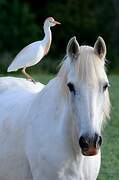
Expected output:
(55, 133)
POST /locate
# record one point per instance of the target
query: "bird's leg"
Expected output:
(27, 75)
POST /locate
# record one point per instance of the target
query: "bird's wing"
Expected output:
(28, 56)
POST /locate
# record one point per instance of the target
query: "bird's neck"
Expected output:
(48, 34)
(47, 38)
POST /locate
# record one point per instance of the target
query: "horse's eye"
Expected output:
(71, 87)
(106, 85)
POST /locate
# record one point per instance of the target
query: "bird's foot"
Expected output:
(32, 80)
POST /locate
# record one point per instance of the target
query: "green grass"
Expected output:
(43, 78)
(110, 148)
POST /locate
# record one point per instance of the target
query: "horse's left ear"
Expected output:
(100, 47)
(73, 48)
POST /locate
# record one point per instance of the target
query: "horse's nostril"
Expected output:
(98, 140)
(83, 143)
(90, 144)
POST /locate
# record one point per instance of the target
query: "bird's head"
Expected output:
(51, 22)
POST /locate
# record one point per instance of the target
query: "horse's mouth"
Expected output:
(90, 152)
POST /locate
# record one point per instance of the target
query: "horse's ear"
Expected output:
(73, 48)
(100, 47)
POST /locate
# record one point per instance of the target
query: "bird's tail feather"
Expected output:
(10, 69)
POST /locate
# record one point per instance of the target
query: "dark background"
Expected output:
(21, 23)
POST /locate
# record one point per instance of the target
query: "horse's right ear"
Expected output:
(73, 48)
(100, 47)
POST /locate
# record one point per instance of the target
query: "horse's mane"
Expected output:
(89, 68)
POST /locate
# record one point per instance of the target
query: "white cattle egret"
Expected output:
(34, 52)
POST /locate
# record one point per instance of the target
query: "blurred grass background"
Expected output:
(110, 147)
(21, 22)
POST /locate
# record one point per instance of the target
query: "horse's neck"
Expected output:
(53, 101)
(58, 106)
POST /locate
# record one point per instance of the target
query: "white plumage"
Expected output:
(28, 56)
(34, 52)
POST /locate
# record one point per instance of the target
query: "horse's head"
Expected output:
(87, 88)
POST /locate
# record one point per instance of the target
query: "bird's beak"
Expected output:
(56, 22)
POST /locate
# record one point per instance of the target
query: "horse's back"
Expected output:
(10, 83)
(16, 96)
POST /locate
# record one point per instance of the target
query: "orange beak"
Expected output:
(56, 22)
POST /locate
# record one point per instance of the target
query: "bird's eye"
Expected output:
(105, 86)
(71, 87)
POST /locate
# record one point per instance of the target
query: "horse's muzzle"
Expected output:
(90, 145)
